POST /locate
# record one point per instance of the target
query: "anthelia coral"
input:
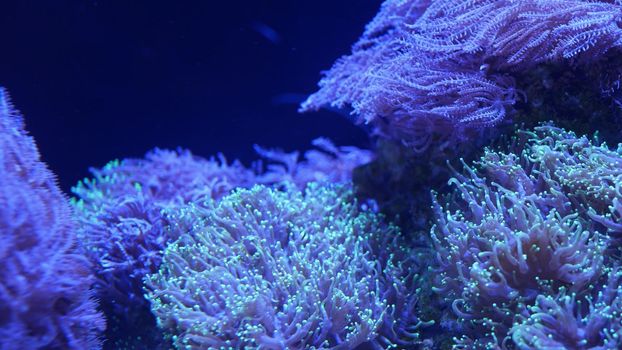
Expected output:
(527, 231)
(123, 230)
(45, 297)
(285, 269)
(436, 72)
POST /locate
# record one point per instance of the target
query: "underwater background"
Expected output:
(110, 79)
(405, 174)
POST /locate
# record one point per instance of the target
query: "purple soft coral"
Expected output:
(428, 72)
(123, 225)
(45, 301)
(518, 34)
(327, 163)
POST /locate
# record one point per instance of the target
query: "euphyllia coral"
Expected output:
(45, 297)
(590, 175)
(123, 230)
(563, 322)
(522, 245)
(285, 269)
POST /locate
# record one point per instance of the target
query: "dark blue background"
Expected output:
(99, 80)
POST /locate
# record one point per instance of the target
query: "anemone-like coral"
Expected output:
(404, 282)
(171, 176)
(399, 180)
(590, 175)
(277, 269)
(527, 232)
(563, 322)
(503, 251)
(437, 72)
(123, 229)
(45, 296)
(327, 163)
(124, 225)
(585, 175)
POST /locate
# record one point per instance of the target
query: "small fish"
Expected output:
(267, 32)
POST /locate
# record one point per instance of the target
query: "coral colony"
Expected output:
(46, 301)
(471, 224)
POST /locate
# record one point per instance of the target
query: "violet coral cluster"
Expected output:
(436, 72)
(523, 245)
(563, 322)
(325, 163)
(194, 253)
(285, 269)
(124, 226)
(45, 296)
(123, 229)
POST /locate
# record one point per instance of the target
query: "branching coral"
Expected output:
(284, 269)
(523, 229)
(430, 72)
(45, 298)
